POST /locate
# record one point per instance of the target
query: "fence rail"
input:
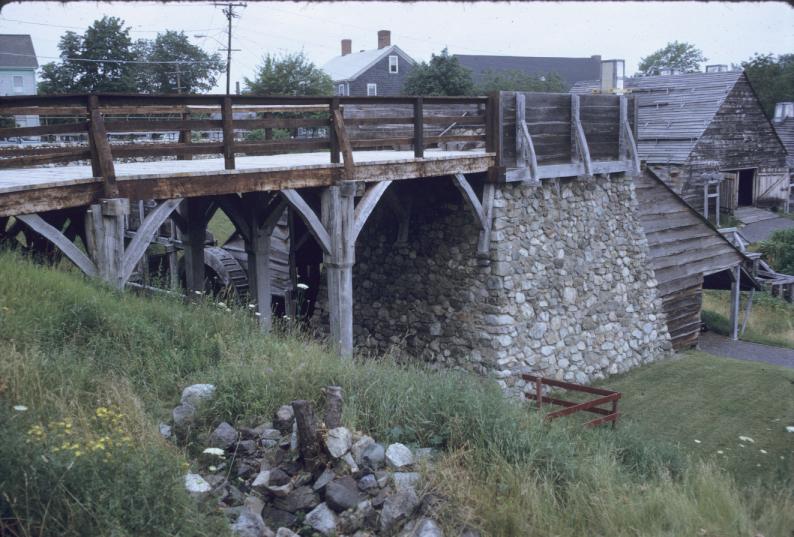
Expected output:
(610, 397)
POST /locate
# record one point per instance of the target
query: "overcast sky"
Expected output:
(726, 32)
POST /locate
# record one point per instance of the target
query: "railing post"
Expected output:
(101, 157)
(493, 125)
(539, 391)
(419, 128)
(228, 133)
(332, 137)
(185, 137)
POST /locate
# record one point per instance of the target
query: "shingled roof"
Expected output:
(571, 70)
(785, 130)
(350, 66)
(16, 51)
(674, 110)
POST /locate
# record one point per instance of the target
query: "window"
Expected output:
(394, 64)
(19, 84)
(372, 90)
(340, 90)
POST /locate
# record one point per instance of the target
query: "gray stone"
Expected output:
(342, 494)
(249, 524)
(353, 520)
(286, 532)
(399, 456)
(397, 509)
(405, 480)
(283, 419)
(196, 485)
(197, 394)
(426, 527)
(165, 431)
(299, 499)
(338, 441)
(359, 446)
(373, 457)
(254, 504)
(326, 477)
(183, 415)
(322, 519)
(368, 482)
(261, 480)
(224, 436)
(277, 518)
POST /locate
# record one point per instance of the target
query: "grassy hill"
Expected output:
(87, 367)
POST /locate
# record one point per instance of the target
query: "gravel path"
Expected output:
(742, 350)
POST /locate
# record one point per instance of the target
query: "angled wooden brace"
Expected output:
(344, 141)
(580, 141)
(483, 211)
(69, 249)
(626, 141)
(403, 212)
(309, 217)
(143, 236)
(232, 206)
(366, 205)
(525, 149)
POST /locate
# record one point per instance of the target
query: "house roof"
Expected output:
(351, 66)
(17, 51)
(674, 110)
(571, 70)
(785, 130)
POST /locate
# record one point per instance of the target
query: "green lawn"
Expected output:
(715, 400)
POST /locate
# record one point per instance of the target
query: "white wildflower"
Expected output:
(212, 468)
(218, 452)
(697, 441)
(20, 408)
(762, 451)
(720, 452)
(746, 439)
(302, 286)
(252, 306)
(790, 428)
(258, 314)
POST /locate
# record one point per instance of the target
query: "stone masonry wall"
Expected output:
(567, 290)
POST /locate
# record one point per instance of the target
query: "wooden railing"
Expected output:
(228, 125)
(533, 136)
(605, 397)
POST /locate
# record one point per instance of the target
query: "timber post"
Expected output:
(105, 227)
(419, 128)
(193, 238)
(185, 137)
(227, 117)
(101, 157)
(736, 292)
(339, 219)
(332, 136)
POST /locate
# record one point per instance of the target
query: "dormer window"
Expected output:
(394, 65)
(372, 90)
(340, 90)
(19, 84)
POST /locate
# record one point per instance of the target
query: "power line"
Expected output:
(132, 28)
(110, 60)
(228, 10)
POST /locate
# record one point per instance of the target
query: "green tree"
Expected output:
(106, 39)
(289, 74)
(779, 250)
(196, 72)
(443, 75)
(684, 57)
(515, 80)
(772, 78)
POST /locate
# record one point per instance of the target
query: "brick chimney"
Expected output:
(384, 39)
(347, 46)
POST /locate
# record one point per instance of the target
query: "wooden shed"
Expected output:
(706, 135)
(687, 254)
(783, 122)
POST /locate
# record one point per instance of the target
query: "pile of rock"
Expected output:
(300, 477)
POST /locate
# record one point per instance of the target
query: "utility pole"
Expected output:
(228, 10)
(178, 79)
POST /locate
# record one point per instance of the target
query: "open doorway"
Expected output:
(746, 188)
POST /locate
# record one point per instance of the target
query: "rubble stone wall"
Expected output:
(566, 290)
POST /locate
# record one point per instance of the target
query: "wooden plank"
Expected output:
(167, 150)
(344, 144)
(158, 125)
(366, 205)
(101, 157)
(334, 138)
(143, 236)
(470, 197)
(69, 155)
(309, 217)
(67, 128)
(228, 133)
(419, 142)
(581, 140)
(67, 247)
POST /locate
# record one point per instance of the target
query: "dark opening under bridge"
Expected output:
(325, 161)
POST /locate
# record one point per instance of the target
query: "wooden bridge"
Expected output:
(326, 161)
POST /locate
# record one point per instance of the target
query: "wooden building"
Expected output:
(706, 135)
(570, 70)
(688, 254)
(784, 126)
(368, 73)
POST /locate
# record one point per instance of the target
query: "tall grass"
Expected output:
(68, 347)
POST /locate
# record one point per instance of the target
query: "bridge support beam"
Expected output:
(338, 217)
(193, 233)
(105, 226)
(263, 212)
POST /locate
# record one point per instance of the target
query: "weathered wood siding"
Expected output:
(683, 247)
(738, 137)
